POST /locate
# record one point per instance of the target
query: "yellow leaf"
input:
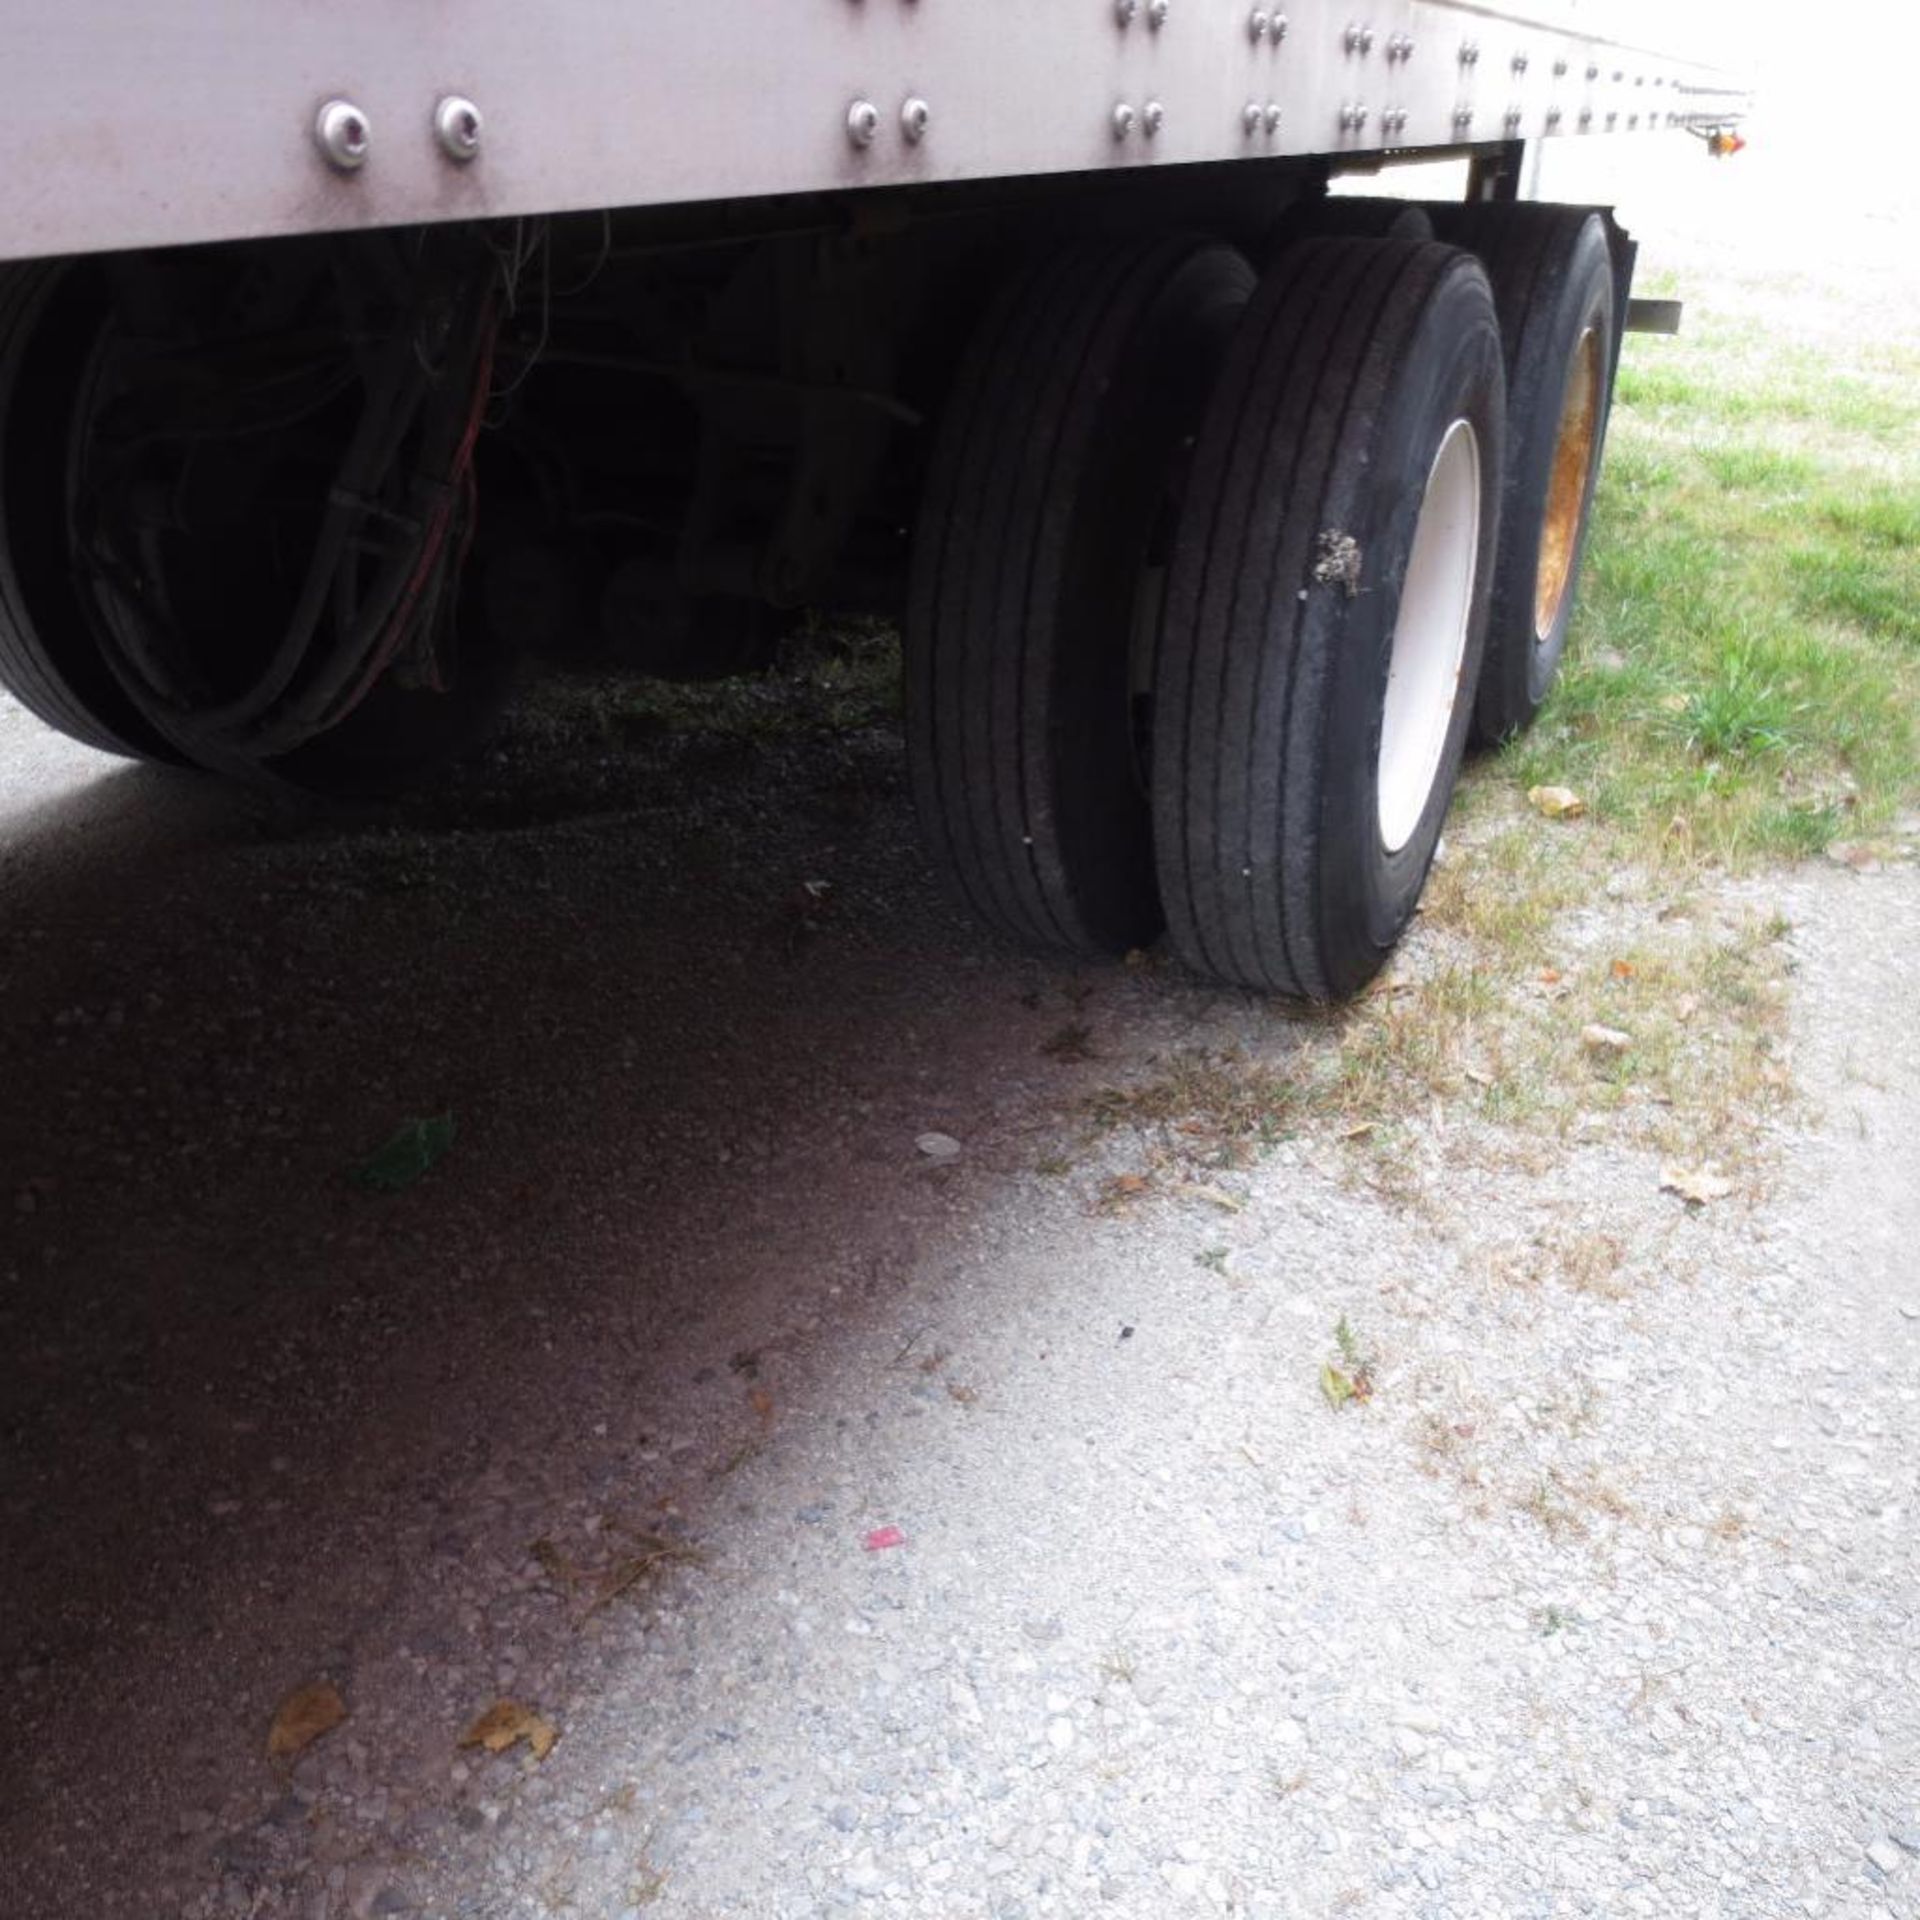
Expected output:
(1557, 803)
(1213, 1196)
(506, 1722)
(303, 1716)
(1695, 1185)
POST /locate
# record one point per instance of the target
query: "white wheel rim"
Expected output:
(1430, 636)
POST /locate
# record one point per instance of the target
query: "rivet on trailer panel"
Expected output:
(343, 135)
(457, 127)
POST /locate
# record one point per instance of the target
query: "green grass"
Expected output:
(1744, 674)
(1742, 688)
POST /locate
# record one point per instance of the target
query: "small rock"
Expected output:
(938, 1146)
(1884, 1855)
(1409, 1744)
(1610, 1040)
(1855, 854)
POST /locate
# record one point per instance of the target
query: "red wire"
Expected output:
(459, 488)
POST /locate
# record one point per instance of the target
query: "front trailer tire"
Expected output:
(1325, 613)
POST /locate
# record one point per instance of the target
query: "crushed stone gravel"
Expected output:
(1602, 1602)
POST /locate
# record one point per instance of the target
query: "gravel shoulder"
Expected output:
(1602, 1602)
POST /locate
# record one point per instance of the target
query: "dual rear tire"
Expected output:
(1040, 552)
(1282, 633)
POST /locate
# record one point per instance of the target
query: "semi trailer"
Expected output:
(350, 356)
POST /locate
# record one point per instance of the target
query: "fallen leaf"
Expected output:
(1390, 988)
(411, 1153)
(1557, 803)
(1335, 1384)
(882, 1538)
(1686, 1006)
(1478, 1075)
(1550, 976)
(1599, 1039)
(1695, 1185)
(1119, 1189)
(1358, 1131)
(1623, 969)
(506, 1722)
(1674, 703)
(762, 1403)
(1214, 1197)
(303, 1716)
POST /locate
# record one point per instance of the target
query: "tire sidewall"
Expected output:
(1453, 371)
